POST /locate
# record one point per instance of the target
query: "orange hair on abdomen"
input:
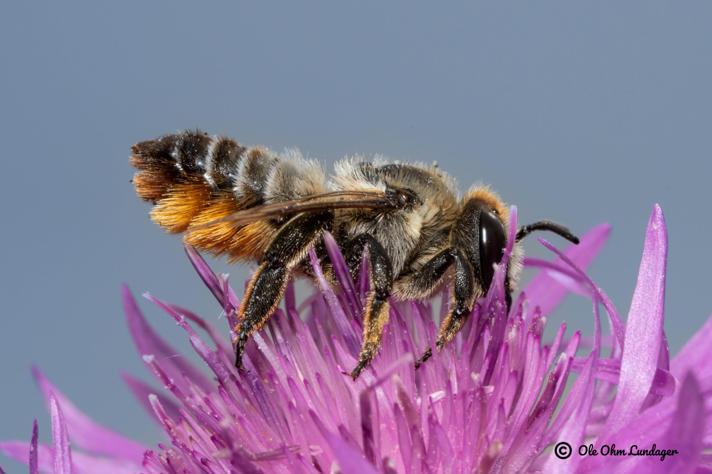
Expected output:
(194, 179)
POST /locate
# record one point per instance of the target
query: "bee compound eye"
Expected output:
(492, 243)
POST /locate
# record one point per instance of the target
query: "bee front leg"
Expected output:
(422, 282)
(463, 299)
(265, 290)
(377, 308)
(463, 296)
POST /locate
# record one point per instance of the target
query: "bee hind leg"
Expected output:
(287, 249)
(377, 308)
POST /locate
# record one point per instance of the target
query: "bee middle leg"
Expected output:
(287, 249)
(377, 308)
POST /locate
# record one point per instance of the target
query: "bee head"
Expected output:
(481, 233)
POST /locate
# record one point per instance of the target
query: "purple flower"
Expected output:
(497, 399)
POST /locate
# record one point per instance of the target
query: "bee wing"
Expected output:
(314, 203)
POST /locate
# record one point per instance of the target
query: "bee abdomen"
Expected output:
(189, 157)
(185, 174)
(194, 178)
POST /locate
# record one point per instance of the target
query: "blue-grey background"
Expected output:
(579, 112)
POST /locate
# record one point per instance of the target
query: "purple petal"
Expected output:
(163, 418)
(597, 295)
(492, 401)
(644, 330)
(216, 337)
(332, 301)
(61, 451)
(350, 460)
(142, 390)
(564, 276)
(545, 290)
(81, 463)
(216, 360)
(148, 342)
(696, 354)
(34, 469)
(21, 451)
(206, 274)
(682, 430)
(574, 414)
(609, 371)
(342, 272)
(686, 430)
(85, 432)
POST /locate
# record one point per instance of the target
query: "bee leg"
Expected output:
(377, 308)
(353, 253)
(267, 286)
(463, 295)
(427, 278)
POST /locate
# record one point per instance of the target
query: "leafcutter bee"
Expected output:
(256, 205)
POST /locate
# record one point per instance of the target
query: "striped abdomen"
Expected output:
(194, 178)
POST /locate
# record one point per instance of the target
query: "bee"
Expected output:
(252, 204)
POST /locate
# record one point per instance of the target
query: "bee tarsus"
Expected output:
(426, 355)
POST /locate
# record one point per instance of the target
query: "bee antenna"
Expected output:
(558, 229)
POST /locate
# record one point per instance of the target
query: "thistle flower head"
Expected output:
(498, 399)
